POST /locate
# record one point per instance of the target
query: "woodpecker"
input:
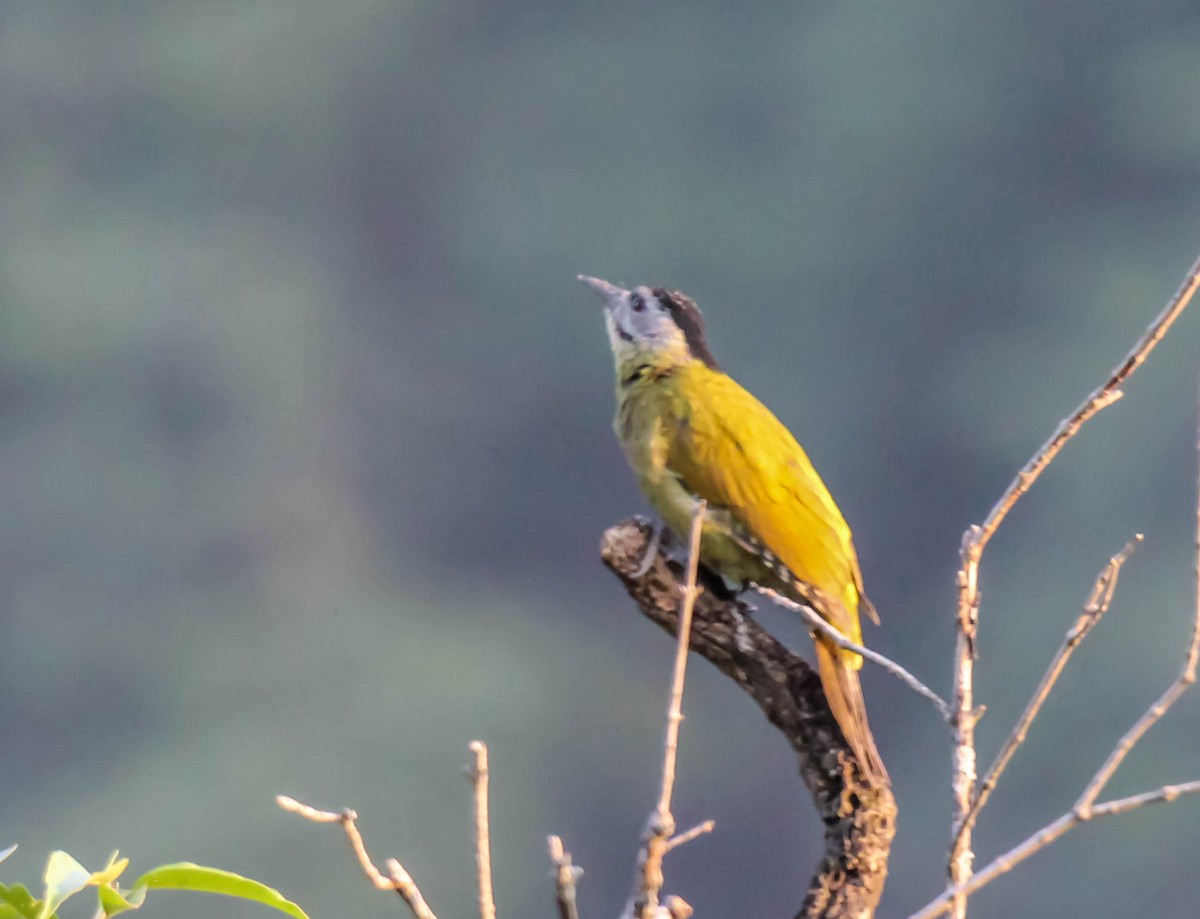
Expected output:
(692, 433)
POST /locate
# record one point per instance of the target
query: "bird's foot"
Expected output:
(656, 529)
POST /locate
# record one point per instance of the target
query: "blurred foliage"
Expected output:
(65, 877)
(305, 443)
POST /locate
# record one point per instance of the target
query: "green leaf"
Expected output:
(17, 903)
(5, 853)
(186, 876)
(64, 878)
(113, 900)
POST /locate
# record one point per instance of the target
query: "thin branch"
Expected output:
(1048, 834)
(1102, 397)
(814, 619)
(1096, 606)
(976, 538)
(962, 723)
(565, 876)
(1085, 808)
(483, 844)
(397, 878)
(694, 833)
(675, 710)
(661, 825)
(1164, 795)
(1187, 676)
(407, 888)
(964, 717)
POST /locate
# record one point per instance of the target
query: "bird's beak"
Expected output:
(609, 292)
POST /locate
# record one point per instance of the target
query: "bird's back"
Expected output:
(730, 449)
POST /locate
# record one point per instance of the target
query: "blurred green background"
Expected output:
(305, 444)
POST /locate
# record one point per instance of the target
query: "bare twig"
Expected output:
(397, 878)
(962, 723)
(1102, 397)
(814, 619)
(1096, 606)
(407, 888)
(675, 710)
(694, 833)
(483, 843)
(1164, 795)
(1187, 676)
(1047, 835)
(659, 829)
(1085, 808)
(565, 876)
(676, 908)
(974, 541)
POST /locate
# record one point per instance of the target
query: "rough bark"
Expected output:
(859, 818)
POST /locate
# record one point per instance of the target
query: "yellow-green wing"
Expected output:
(729, 449)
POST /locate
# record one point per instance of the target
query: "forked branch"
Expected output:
(1085, 808)
(859, 818)
(396, 879)
(1096, 606)
(976, 538)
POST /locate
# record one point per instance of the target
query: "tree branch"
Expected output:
(859, 818)
(974, 541)
(661, 825)
(1102, 397)
(483, 842)
(1085, 807)
(396, 879)
(822, 625)
(695, 832)
(1096, 606)
(1047, 835)
(565, 876)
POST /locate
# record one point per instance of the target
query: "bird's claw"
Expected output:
(651, 551)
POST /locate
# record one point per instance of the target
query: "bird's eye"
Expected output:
(638, 303)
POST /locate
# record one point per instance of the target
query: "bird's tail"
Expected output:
(844, 692)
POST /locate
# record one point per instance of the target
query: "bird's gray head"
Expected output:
(656, 326)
